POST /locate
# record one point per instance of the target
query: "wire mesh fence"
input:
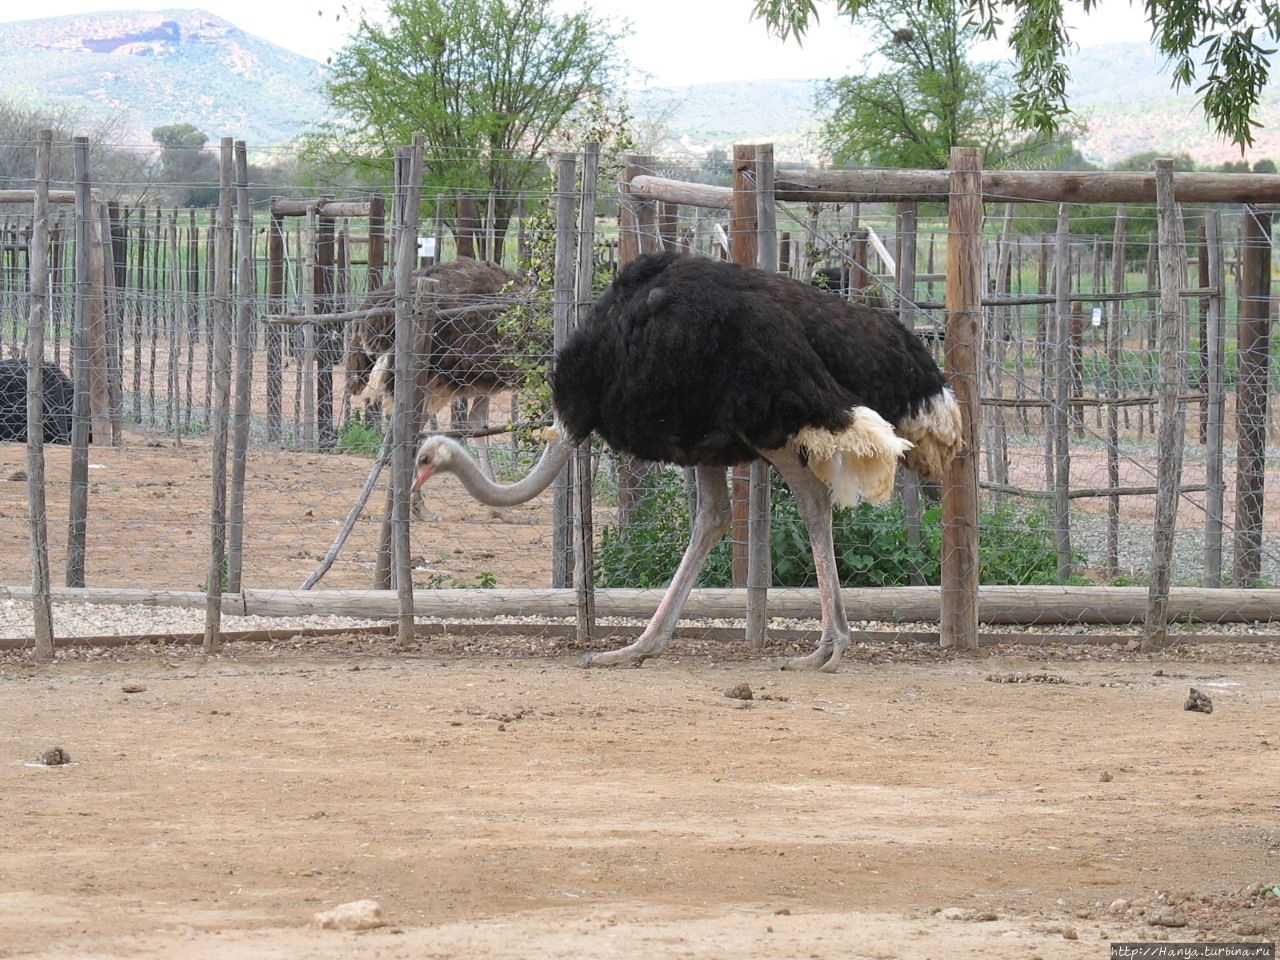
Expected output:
(1070, 338)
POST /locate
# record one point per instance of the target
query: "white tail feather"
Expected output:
(857, 463)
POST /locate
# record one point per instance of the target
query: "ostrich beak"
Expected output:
(423, 475)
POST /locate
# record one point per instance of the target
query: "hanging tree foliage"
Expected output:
(1219, 47)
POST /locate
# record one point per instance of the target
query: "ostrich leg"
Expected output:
(709, 525)
(478, 418)
(813, 501)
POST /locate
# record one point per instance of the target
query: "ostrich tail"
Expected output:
(380, 383)
(858, 462)
(936, 434)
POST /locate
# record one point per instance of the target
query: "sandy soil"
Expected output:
(509, 805)
(149, 520)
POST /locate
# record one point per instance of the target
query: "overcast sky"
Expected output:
(673, 41)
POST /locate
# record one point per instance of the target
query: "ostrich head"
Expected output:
(434, 453)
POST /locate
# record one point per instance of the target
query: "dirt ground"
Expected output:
(149, 521)
(497, 801)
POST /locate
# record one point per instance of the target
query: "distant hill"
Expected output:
(147, 69)
(188, 66)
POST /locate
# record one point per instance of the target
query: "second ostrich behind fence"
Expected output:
(471, 355)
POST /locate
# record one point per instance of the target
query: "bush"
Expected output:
(872, 548)
(360, 437)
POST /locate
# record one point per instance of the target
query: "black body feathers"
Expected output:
(690, 360)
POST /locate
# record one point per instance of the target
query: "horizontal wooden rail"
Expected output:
(871, 186)
(997, 605)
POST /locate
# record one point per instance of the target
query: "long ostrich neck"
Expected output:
(494, 494)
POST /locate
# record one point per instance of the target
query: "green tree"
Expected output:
(487, 83)
(190, 171)
(925, 98)
(1225, 42)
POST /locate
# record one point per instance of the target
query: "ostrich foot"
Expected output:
(632, 655)
(825, 658)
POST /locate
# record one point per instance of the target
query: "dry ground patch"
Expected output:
(506, 805)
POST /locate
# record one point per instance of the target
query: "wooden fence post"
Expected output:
(245, 303)
(38, 265)
(564, 272)
(760, 505)
(584, 539)
(80, 373)
(745, 249)
(219, 413)
(1253, 338)
(1172, 384)
(1215, 353)
(959, 611)
(1115, 348)
(405, 416)
(1057, 437)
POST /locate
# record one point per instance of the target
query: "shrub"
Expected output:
(872, 547)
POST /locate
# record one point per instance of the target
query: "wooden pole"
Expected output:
(328, 338)
(81, 422)
(1215, 354)
(1172, 434)
(1060, 421)
(174, 330)
(307, 364)
(245, 297)
(564, 273)
(744, 245)
(1115, 348)
(275, 335)
(1253, 338)
(221, 406)
(584, 534)
(959, 613)
(404, 417)
(38, 515)
(907, 231)
(378, 241)
(113, 288)
(759, 500)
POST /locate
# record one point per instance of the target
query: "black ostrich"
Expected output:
(706, 364)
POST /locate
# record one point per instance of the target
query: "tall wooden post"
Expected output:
(584, 539)
(38, 265)
(275, 334)
(1216, 353)
(959, 613)
(403, 418)
(328, 335)
(1253, 338)
(220, 413)
(1115, 344)
(564, 273)
(909, 485)
(245, 302)
(745, 249)
(760, 501)
(378, 241)
(1172, 383)
(1057, 437)
(78, 512)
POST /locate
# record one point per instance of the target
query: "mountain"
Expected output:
(146, 69)
(143, 70)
